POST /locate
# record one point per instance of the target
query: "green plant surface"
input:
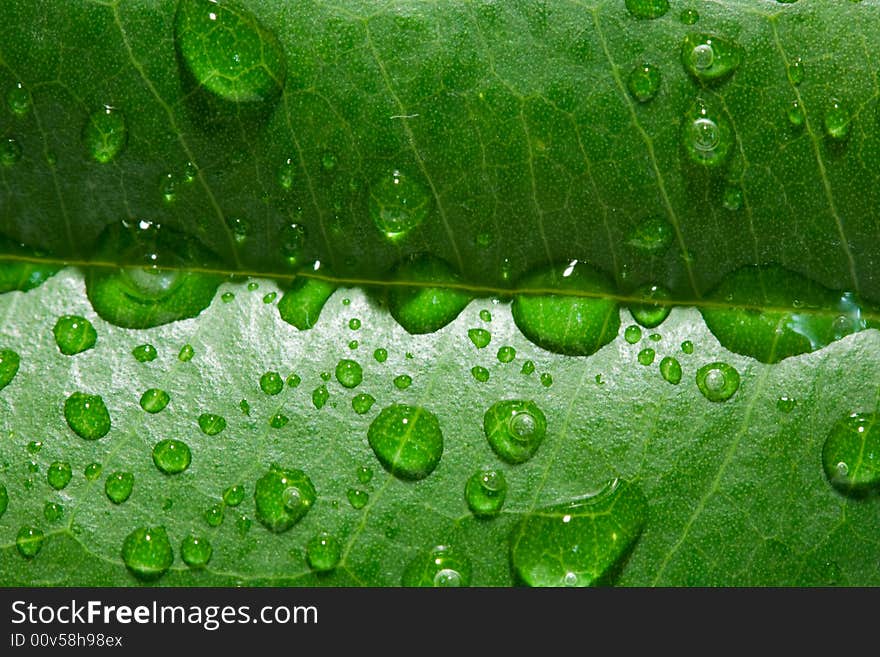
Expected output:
(347, 293)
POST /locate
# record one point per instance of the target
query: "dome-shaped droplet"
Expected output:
(74, 334)
(196, 551)
(172, 456)
(10, 361)
(118, 486)
(718, 381)
(29, 541)
(421, 307)
(485, 493)
(707, 134)
(87, 415)
(644, 82)
(398, 204)
(105, 134)
(154, 400)
(147, 553)
(10, 151)
(710, 58)
(647, 9)
(515, 429)
(837, 120)
(283, 496)
(654, 236)
(795, 114)
(441, 566)
(18, 99)
(654, 307)
(670, 370)
(851, 454)
(211, 424)
(58, 474)
(407, 440)
(349, 373)
(271, 383)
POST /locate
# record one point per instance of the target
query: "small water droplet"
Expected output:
(689, 17)
(796, 115)
(10, 151)
(58, 474)
(145, 353)
(796, 71)
(398, 204)
(632, 334)
(707, 134)
(515, 429)
(196, 551)
(733, 198)
(644, 82)
(785, 404)
(283, 497)
(87, 416)
(837, 120)
(147, 553)
(670, 370)
(441, 566)
(485, 316)
(546, 379)
(271, 383)
(29, 541)
(278, 421)
(227, 297)
(407, 441)
(105, 134)
(320, 395)
(234, 495)
(851, 454)
(528, 368)
(74, 334)
(718, 381)
(646, 356)
(364, 474)
(480, 337)
(171, 456)
(154, 400)
(270, 298)
(214, 515)
(294, 380)
(240, 229)
(186, 353)
(287, 173)
(190, 171)
(92, 471)
(211, 424)
(402, 381)
(118, 486)
(323, 552)
(710, 58)
(18, 99)
(480, 373)
(381, 355)
(506, 354)
(349, 373)
(362, 403)
(357, 498)
(654, 307)
(485, 493)
(52, 511)
(687, 347)
(647, 9)
(293, 241)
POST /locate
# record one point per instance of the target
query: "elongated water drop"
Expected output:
(670, 370)
(105, 134)
(485, 493)
(147, 553)
(118, 486)
(515, 429)
(710, 58)
(283, 496)
(579, 542)
(707, 134)
(87, 415)
(10, 361)
(407, 440)
(301, 305)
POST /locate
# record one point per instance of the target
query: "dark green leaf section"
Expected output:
(496, 136)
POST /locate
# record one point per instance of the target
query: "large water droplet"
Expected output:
(29, 541)
(718, 381)
(118, 486)
(362, 403)
(485, 492)
(271, 383)
(211, 424)
(707, 134)
(87, 415)
(851, 454)
(147, 553)
(293, 242)
(301, 305)
(172, 456)
(480, 337)
(349, 373)
(22, 273)
(74, 334)
(580, 542)
(654, 307)
(58, 474)
(647, 9)
(154, 400)
(323, 552)
(105, 134)
(228, 52)
(196, 551)
(407, 441)
(644, 82)
(283, 497)
(670, 370)
(9, 364)
(423, 308)
(145, 353)
(398, 204)
(441, 566)
(577, 324)
(710, 58)
(771, 313)
(515, 429)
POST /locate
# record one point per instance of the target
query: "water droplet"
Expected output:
(354, 324)
(326, 376)
(10, 151)
(485, 316)
(105, 134)
(349, 373)
(546, 379)
(283, 497)
(52, 511)
(689, 17)
(851, 454)
(796, 71)
(796, 114)
(154, 400)
(227, 297)
(506, 354)
(172, 456)
(837, 120)
(485, 492)
(9, 364)
(424, 309)
(381, 355)
(293, 241)
(654, 236)
(287, 173)
(357, 498)
(632, 334)
(186, 353)
(654, 307)
(770, 313)
(74, 334)
(118, 486)
(515, 429)
(278, 421)
(362, 403)
(785, 404)
(34, 446)
(196, 551)
(253, 286)
(710, 58)
(271, 383)
(646, 356)
(234, 495)
(647, 9)
(228, 52)
(190, 171)
(58, 475)
(441, 566)
(18, 100)
(301, 305)
(147, 552)
(402, 381)
(670, 370)
(211, 424)
(364, 474)
(480, 373)
(644, 82)
(214, 515)
(687, 347)
(240, 229)
(24, 274)
(320, 395)
(269, 298)
(398, 204)
(528, 368)
(294, 380)
(717, 381)
(353, 344)
(407, 441)
(733, 198)
(574, 325)
(578, 543)
(145, 353)
(329, 161)
(480, 337)
(707, 134)
(93, 471)
(87, 415)
(323, 552)
(29, 541)
(4, 499)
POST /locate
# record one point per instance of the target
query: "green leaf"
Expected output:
(347, 294)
